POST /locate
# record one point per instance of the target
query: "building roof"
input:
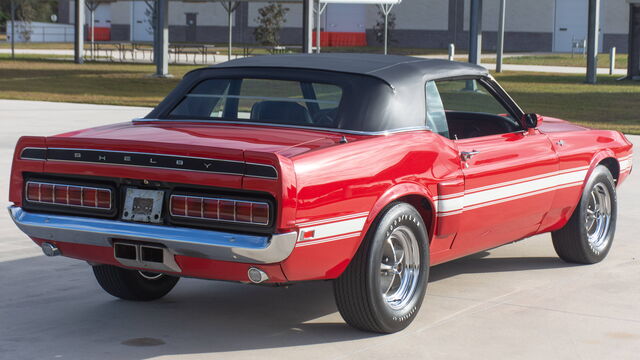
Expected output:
(393, 69)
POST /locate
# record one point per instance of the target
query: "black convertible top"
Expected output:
(380, 92)
(395, 70)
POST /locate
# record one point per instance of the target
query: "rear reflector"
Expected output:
(239, 211)
(68, 195)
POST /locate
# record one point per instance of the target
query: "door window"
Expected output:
(469, 109)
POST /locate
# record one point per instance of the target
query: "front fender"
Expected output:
(597, 159)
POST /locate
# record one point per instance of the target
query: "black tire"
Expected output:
(131, 284)
(572, 243)
(358, 291)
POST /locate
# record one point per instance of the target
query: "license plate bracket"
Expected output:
(143, 205)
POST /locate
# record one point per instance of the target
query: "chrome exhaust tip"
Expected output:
(50, 249)
(145, 256)
(257, 276)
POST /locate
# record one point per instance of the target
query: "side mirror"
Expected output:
(531, 120)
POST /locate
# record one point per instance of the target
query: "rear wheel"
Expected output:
(385, 283)
(587, 237)
(133, 284)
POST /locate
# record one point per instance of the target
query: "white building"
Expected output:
(540, 25)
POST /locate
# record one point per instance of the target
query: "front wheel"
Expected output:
(383, 287)
(587, 237)
(133, 284)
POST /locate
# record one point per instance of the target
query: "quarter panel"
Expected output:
(19, 165)
(357, 180)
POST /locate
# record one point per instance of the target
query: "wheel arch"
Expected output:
(607, 158)
(613, 165)
(414, 194)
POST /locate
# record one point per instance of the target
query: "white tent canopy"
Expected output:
(385, 7)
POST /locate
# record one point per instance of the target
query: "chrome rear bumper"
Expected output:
(208, 244)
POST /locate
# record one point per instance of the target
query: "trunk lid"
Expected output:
(227, 140)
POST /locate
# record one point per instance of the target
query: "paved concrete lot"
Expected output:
(515, 302)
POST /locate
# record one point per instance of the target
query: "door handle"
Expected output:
(467, 155)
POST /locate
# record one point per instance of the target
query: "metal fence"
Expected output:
(40, 32)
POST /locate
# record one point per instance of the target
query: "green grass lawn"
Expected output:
(238, 48)
(32, 78)
(563, 60)
(611, 104)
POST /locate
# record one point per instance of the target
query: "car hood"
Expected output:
(551, 125)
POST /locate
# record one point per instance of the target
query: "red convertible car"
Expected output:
(361, 169)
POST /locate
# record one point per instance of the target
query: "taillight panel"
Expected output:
(69, 195)
(220, 209)
(183, 204)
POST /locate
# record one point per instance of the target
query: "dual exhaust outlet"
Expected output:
(145, 256)
(160, 258)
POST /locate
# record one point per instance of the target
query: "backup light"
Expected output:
(68, 195)
(219, 209)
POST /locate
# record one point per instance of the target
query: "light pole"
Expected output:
(592, 41)
(307, 25)
(92, 6)
(78, 46)
(475, 31)
(13, 29)
(386, 10)
(500, 45)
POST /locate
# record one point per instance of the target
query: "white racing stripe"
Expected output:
(351, 226)
(626, 163)
(511, 190)
(527, 179)
(332, 229)
(330, 239)
(480, 197)
(331, 220)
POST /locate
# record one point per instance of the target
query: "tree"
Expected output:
(379, 27)
(28, 11)
(35, 10)
(270, 22)
(5, 12)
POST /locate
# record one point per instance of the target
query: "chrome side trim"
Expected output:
(208, 244)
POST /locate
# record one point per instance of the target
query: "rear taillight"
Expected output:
(218, 209)
(69, 195)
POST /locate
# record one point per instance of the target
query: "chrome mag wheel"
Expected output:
(400, 267)
(598, 217)
(383, 287)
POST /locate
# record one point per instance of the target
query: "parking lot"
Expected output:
(518, 301)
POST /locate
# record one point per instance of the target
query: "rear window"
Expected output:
(263, 101)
